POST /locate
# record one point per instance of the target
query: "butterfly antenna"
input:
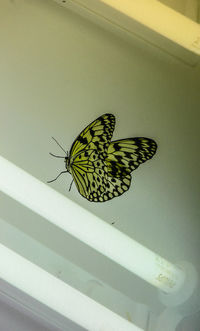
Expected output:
(60, 146)
(58, 156)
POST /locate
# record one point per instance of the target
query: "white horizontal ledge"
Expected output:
(161, 19)
(59, 296)
(149, 20)
(90, 229)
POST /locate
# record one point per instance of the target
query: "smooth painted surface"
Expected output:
(156, 16)
(144, 20)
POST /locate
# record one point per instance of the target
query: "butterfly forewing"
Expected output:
(124, 156)
(96, 136)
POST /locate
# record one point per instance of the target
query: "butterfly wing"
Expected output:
(90, 178)
(100, 168)
(94, 183)
(87, 157)
(96, 136)
(126, 155)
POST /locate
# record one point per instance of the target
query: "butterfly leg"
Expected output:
(62, 172)
(71, 185)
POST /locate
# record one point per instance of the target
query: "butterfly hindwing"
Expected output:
(116, 186)
(97, 185)
(90, 178)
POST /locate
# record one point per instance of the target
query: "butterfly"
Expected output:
(101, 168)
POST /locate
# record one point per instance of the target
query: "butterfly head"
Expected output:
(66, 158)
(67, 162)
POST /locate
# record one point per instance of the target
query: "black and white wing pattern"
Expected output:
(87, 158)
(102, 168)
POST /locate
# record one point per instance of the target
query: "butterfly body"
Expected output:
(101, 168)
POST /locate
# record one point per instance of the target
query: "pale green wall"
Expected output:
(58, 72)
